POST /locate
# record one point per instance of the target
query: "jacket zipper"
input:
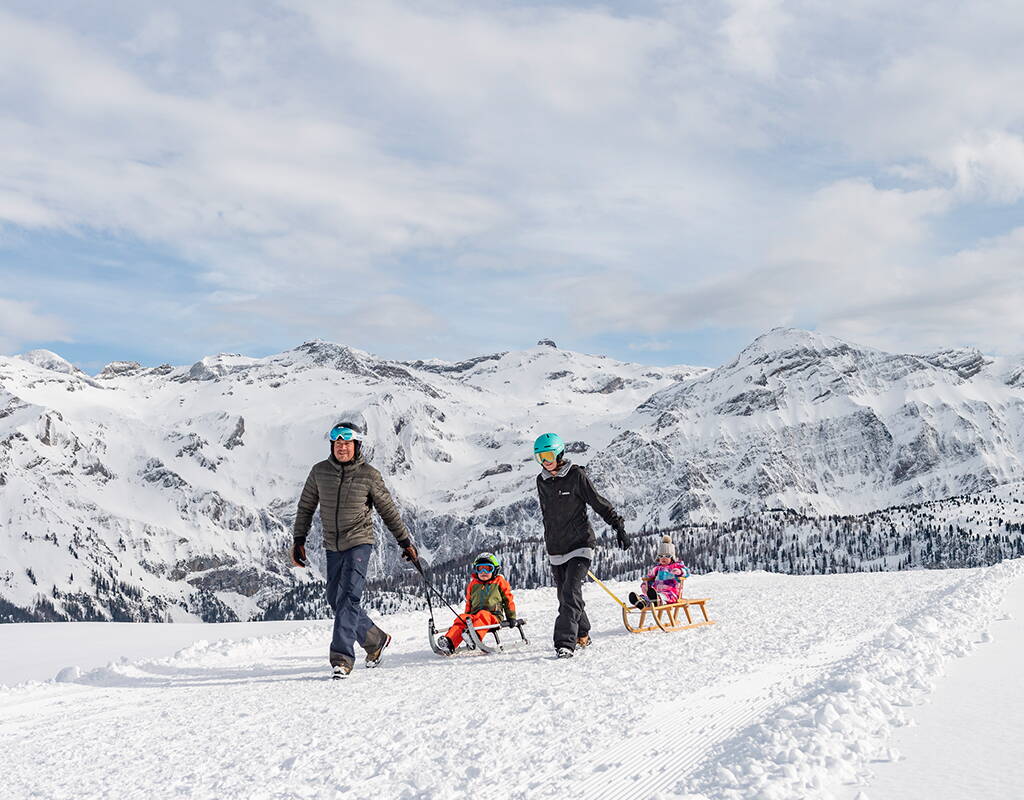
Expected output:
(337, 508)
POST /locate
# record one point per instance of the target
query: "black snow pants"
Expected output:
(572, 622)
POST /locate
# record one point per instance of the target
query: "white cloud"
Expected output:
(569, 61)
(850, 263)
(752, 35)
(20, 322)
(990, 166)
(727, 165)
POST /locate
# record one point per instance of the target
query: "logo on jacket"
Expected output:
(565, 494)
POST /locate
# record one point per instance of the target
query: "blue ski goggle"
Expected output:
(345, 434)
(488, 568)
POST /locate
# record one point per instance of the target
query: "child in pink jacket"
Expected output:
(663, 583)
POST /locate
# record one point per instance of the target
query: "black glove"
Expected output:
(299, 551)
(623, 538)
(511, 622)
(409, 553)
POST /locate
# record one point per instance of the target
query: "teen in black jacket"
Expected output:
(565, 491)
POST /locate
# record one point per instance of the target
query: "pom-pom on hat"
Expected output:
(666, 548)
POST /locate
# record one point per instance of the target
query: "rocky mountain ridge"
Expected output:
(168, 492)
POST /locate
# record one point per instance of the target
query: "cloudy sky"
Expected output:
(657, 181)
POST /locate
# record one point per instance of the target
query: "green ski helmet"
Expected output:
(548, 443)
(489, 560)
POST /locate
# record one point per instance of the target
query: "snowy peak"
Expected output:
(45, 359)
(965, 362)
(119, 369)
(213, 367)
(780, 343)
(544, 372)
(801, 420)
(789, 368)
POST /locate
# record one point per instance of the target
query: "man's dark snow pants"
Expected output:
(346, 575)
(572, 622)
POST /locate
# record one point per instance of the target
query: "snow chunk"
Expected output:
(69, 674)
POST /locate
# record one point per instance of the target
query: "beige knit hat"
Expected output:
(666, 548)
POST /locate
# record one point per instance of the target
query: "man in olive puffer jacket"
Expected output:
(347, 489)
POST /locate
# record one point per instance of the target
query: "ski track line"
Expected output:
(618, 768)
(709, 722)
(640, 760)
(675, 766)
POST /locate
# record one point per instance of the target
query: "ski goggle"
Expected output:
(488, 568)
(345, 434)
(546, 455)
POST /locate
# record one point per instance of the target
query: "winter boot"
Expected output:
(564, 652)
(444, 644)
(339, 671)
(341, 665)
(376, 641)
(637, 601)
(652, 595)
(583, 641)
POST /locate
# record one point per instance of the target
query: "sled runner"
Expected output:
(661, 617)
(666, 617)
(473, 637)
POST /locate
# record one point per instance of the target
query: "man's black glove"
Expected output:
(299, 551)
(623, 537)
(409, 553)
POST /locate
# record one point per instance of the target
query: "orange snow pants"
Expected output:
(483, 617)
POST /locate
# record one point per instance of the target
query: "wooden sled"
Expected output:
(660, 617)
(666, 617)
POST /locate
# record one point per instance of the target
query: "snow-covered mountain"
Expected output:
(167, 492)
(807, 421)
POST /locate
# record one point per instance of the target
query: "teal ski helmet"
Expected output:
(549, 443)
(488, 559)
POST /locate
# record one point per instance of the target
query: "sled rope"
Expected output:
(610, 592)
(429, 587)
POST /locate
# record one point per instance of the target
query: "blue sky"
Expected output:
(659, 182)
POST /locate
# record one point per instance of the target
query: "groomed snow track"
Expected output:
(790, 705)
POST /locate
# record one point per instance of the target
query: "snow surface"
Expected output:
(38, 651)
(966, 742)
(795, 692)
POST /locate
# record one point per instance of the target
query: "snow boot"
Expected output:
(652, 595)
(341, 665)
(376, 641)
(564, 652)
(637, 601)
(339, 671)
(445, 645)
(583, 641)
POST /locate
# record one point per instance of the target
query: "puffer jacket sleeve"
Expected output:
(381, 499)
(599, 504)
(308, 501)
(507, 599)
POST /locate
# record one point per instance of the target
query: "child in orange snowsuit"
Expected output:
(488, 601)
